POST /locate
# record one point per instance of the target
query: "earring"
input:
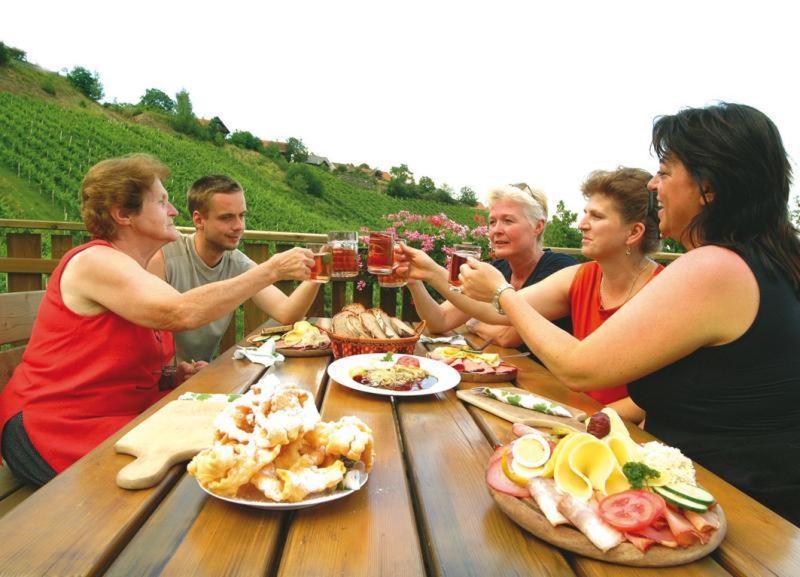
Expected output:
(628, 251)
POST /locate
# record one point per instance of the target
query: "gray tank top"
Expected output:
(185, 270)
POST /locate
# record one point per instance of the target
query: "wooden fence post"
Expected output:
(24, 245)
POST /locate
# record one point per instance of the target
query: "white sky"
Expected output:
(468, 93)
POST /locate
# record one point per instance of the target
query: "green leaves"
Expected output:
(639, 473)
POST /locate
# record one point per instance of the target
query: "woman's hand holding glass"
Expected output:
(479, 280)
(421, 266)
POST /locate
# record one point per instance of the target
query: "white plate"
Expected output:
(447, 377)
(276, 506)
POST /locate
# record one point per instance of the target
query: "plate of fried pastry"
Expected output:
(272, 450)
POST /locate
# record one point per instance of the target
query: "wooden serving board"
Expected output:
(175, 433)
(521, 415)
(527, 515)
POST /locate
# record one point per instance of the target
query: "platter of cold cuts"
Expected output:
(475, 366)
(602, 495)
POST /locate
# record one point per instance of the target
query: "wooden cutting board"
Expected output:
(175, 433)
(521, 415)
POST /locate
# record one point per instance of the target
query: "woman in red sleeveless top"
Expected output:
(619, 230)
(101, 341)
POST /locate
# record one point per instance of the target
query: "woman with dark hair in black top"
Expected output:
(710, 347)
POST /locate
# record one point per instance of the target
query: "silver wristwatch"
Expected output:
(496, 298)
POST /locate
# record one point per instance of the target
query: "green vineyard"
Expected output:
(49, 149)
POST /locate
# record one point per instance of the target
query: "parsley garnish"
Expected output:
(387, 356)
(639, 473)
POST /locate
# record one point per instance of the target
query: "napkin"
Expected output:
(265, 354)
(526, 401)
(453, 340)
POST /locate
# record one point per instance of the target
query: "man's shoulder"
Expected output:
(237, 262)
(178, 247)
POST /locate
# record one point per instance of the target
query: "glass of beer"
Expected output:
(394, 279)
(460, 254)
(345, 253)
(380, 255)
(323, 262)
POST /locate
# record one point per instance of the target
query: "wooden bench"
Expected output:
(17, 314)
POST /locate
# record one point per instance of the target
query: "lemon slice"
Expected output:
(530, 451)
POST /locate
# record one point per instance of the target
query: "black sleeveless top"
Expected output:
(735, 408)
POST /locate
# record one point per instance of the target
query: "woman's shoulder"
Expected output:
(711, 260)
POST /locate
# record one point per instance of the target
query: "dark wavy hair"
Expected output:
(736, 152)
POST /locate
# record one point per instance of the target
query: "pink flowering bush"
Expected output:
(437, 234)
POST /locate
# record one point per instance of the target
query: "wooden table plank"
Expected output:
(194, 534)
(371, 532)
(467, 534)
(77, 523)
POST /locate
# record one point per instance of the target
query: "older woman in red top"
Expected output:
(619, 229)
(101, 346)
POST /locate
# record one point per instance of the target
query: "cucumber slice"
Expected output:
(675, 499)
(691, 492)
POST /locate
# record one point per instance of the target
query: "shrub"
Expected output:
(48, 86)
(302, 179)
(87, 82)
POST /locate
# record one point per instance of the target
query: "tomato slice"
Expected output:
(632, 510)
(408, 361)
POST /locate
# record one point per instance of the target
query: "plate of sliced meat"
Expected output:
(475, 366)
(601, 496)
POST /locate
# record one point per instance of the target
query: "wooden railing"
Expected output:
(34, 248)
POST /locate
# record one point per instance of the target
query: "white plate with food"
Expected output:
(355, 478)
(393, 374)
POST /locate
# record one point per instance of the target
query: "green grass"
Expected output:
(47, 143)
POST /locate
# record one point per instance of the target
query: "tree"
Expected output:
(9, 53)
(468, 196)
(87, 82)
(155, 99)
(426, 187)
(560, 231)
(301, 178)
(402, 173)
(245, 139)
(296, 151)
(185, 121)
(796, 211)
(444, 194)
(272, 151)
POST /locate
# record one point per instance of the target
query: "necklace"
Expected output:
(604, 299)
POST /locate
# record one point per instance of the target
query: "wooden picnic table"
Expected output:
(424, 511)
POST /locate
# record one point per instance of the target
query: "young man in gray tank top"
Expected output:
(218, 209)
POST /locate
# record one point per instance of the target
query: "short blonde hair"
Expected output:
(532, 200)
(117, 182)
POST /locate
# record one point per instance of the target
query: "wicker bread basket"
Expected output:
(347, 346)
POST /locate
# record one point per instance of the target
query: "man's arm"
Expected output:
(286, 309)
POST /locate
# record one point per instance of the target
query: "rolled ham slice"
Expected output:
(684, 531)
(585, 517)
(546, 496)
(703, 522)
(498, 481)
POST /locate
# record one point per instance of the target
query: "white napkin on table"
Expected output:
(452, 339)
(265, 354)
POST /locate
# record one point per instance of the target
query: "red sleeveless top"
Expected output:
(588, 314)
(82, 377)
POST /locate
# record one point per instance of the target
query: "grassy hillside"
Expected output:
(47, 142)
